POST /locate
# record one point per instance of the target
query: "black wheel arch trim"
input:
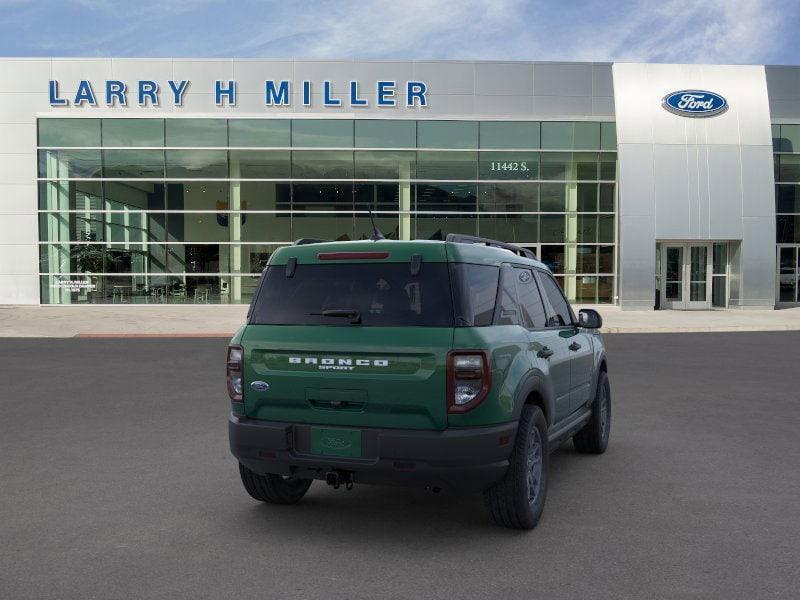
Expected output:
(534, 383)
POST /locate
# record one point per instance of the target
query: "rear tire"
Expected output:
(593, 438)
(517, 501)
(273, 488)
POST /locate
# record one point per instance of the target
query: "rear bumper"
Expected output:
(460, 459)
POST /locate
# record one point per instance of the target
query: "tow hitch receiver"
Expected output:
(339, 478)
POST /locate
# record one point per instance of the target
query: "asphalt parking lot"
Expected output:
(116, 482)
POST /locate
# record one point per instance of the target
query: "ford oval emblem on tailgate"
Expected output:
(259, 386)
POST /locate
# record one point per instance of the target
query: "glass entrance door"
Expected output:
(686, 276)
(788, 291)
(673, 276)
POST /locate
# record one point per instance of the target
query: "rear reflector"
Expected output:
(352, 255)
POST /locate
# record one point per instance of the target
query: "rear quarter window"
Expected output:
(474, 293)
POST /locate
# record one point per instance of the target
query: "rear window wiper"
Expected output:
(344, 313)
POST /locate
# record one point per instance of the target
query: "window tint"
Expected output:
(474, 291)
(507, 311)
(562, 314)
(385, 295)
(530, 302)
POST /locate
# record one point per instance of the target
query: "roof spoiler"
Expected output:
(458, 238)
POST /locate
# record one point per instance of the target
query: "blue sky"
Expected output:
(711, 31)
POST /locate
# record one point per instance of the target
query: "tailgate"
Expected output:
(344, 375)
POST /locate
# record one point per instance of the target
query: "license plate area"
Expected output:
(331, 441)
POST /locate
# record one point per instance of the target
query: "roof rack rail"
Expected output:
(471, 239)
(304, 241)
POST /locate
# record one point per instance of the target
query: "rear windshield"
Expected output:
(383, 295)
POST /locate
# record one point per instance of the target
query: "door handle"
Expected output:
(545, 352)
(574, 346)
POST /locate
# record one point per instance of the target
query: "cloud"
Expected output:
(711, 31)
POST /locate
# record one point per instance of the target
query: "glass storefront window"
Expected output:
(605, 229)
(608, 166)
(585, 166)
(382, 133)
(197, 133)
(512, 135)
(198, 195)
(265, 227)
(557, 166)
(553, 256)
(787, 229)
(69, 133)
(605, 290)
(262, 195)
(199, 227)
(447, 134)
(515, 228)
(447, 165)
(461, 197)
(322, 164)
(69, 164)
(587, 259)
(130, 195)
(259, 133)
(552, 228)
(132, 164)
(587, 136)
(558, 135)
(70, 195)
(788, 138)
(509, 165)
(133, 132)
(322, 133)
(552, 197)
(587, 197)
(509, 197)
(606, 197)
(436, 227)
(381, 196)
(789, 168)
(260, 164)
(197, 164)
(587, 229)
(605, 259)
(334, 225)
(608, 136)
(386, 164)
(197, 221)
(787, 198)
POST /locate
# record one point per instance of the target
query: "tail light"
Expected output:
(468, 379)
(233, 372)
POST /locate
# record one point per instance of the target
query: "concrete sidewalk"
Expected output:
(222, 321)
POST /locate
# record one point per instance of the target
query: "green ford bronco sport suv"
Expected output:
(454, 364)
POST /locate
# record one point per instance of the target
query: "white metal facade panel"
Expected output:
(724, 190)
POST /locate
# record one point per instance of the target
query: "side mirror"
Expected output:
(589, 319)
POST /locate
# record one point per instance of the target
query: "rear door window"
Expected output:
(562, 313)
(384, 295)
(530, 300)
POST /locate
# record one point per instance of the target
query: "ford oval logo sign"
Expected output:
(695, 103)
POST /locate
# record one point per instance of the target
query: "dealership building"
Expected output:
(161, 181)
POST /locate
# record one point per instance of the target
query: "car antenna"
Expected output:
(376, 233)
